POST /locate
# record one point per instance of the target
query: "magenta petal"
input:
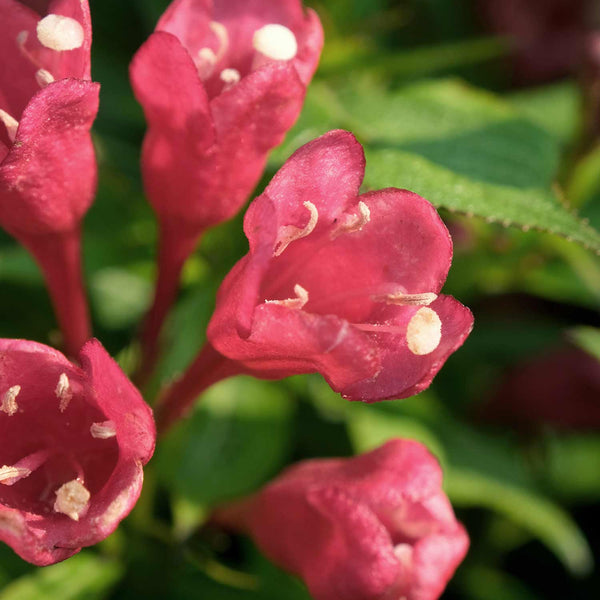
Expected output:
(122, 402)
(310, 46)
(70, 63)
(188, 20)
(181, 130)
(166, 83)
(61, 425)
(371, 527)
(286, 341)
(17, 74)
(250, 119)
(48, 178)
(403, 373)
(327, 172)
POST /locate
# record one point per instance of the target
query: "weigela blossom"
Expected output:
(47, 162)
(340, 283)
(373, 527)
(220, 83)
(72, 444)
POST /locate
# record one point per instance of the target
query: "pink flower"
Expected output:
(335, 282)
(220, 83)
(373, 527)
(72, 444)
(47, 162)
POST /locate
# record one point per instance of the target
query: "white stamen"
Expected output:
(424, 332)
(72, 499)
(404, 553)
(10, 123)
(298, 302)
(63, 392)
(207, 60)
(353, 222)
(221, 32)
(10, 475)
(290, 233)
(230, 77)
(276, 42)
(43, 77)
(400, 299)
(9, 400)
(60, 33)
(104, 430)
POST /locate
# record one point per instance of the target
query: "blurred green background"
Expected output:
(431, 92)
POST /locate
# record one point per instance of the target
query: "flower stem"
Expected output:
(59, 258)
(176, 400)
(176, 243)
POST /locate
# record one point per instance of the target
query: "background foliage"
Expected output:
(428, 92)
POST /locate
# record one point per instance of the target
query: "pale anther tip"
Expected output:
(72, 499)
(230, 76)
(60, 33)
(43, 77)
(104, 430)
(10, 123)
(276, 42)
(9, 400)
(424, 332)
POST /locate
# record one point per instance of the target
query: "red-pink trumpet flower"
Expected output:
(335, 282)
(72, 444)
(47, 162)
(373, 527)
(220, 83)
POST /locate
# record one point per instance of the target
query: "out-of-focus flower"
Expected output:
(545, 35)
(220, 83)
(72, 444)
(372, 527)
(335, 282)
(47, 162)
(560, 389)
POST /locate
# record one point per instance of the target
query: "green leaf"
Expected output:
(483, 583)
(555, 108)
(536, 514)
(571, 466)
(83, 577)
(587, 338)
(236, 439)
(461, 148)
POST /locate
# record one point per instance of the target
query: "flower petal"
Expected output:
(181, 131)
(250, 119)
(17, 74)
(327, 172)
(48, 179)
(404, 373)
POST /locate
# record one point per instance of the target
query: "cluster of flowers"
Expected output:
(335, 282)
